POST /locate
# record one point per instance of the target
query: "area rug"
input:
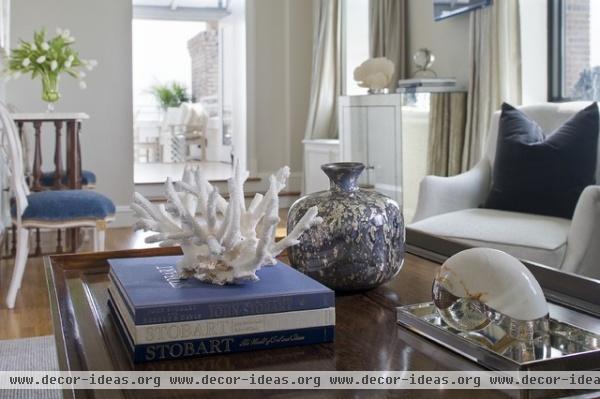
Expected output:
(38, 353)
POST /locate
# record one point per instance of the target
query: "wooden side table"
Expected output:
(72, 120)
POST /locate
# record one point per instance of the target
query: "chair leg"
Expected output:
(101, 239)
(86, 235)
(99, 235)
(19, 269)
(96, 233)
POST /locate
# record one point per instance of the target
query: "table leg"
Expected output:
(20, 127)
(73, 173)
(58, 156)
(37, 158)
(73, 157)
(59, 247)
(79, 149)
(73, 234)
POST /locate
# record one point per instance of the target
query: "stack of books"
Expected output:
(426, 83)
(162, 317)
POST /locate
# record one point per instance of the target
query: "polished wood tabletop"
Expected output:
(367, 336)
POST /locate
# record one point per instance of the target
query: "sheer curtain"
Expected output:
(446, 133)
(326, 71)
(387, 28)
(495, 71)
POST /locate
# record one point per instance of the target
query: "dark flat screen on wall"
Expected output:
(443, 9)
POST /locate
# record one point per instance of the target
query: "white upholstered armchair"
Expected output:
(450, 207)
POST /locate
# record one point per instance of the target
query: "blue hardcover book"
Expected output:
(219, 345)
(154, 294)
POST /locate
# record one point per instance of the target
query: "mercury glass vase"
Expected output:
(360, 243)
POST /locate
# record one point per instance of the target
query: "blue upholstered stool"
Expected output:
(88, 179)
(55, 207)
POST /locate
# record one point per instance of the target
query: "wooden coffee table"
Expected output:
(367, 336)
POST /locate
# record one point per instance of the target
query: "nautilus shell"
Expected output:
(480, 286)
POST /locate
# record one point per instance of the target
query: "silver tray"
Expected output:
(567, 347)
(573, 302)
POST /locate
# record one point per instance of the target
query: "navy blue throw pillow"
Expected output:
(545, 176)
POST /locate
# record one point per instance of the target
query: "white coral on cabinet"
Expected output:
(374, 73)
(222, 241)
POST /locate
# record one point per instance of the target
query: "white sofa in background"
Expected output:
(450, 207)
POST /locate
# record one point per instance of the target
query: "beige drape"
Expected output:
(326, 71)
(494, 68)
(387, 34)
(447, 119)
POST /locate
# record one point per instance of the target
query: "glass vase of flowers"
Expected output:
(48, 59)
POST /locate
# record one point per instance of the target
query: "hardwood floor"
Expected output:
(31, 314)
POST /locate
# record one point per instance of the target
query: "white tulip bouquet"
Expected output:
(48, 59)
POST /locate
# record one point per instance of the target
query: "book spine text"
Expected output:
(221, 345)
(239, 343)
(205, 311)
(199, 329)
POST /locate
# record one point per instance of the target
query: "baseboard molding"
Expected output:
(256, 184)
(250, 179)
(124, 216)
(287, 201)
(294, 183)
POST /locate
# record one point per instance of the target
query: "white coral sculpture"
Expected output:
(374, 73)
(223, 242)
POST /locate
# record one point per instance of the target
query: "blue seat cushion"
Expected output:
(88, 178)
(64, 205)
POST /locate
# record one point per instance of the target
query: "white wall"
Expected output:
(534, 51)
(103, 32)
(2, 82)
(279, 71)
(235, 57)
(447, 39)
(5, 31)
(299, 50)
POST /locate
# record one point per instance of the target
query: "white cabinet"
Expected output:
(389, 133)
(370, 132)
(317, 153)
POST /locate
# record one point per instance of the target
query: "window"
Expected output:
(355, 38)
(161, 55)
(185, 90)
(574, 50)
